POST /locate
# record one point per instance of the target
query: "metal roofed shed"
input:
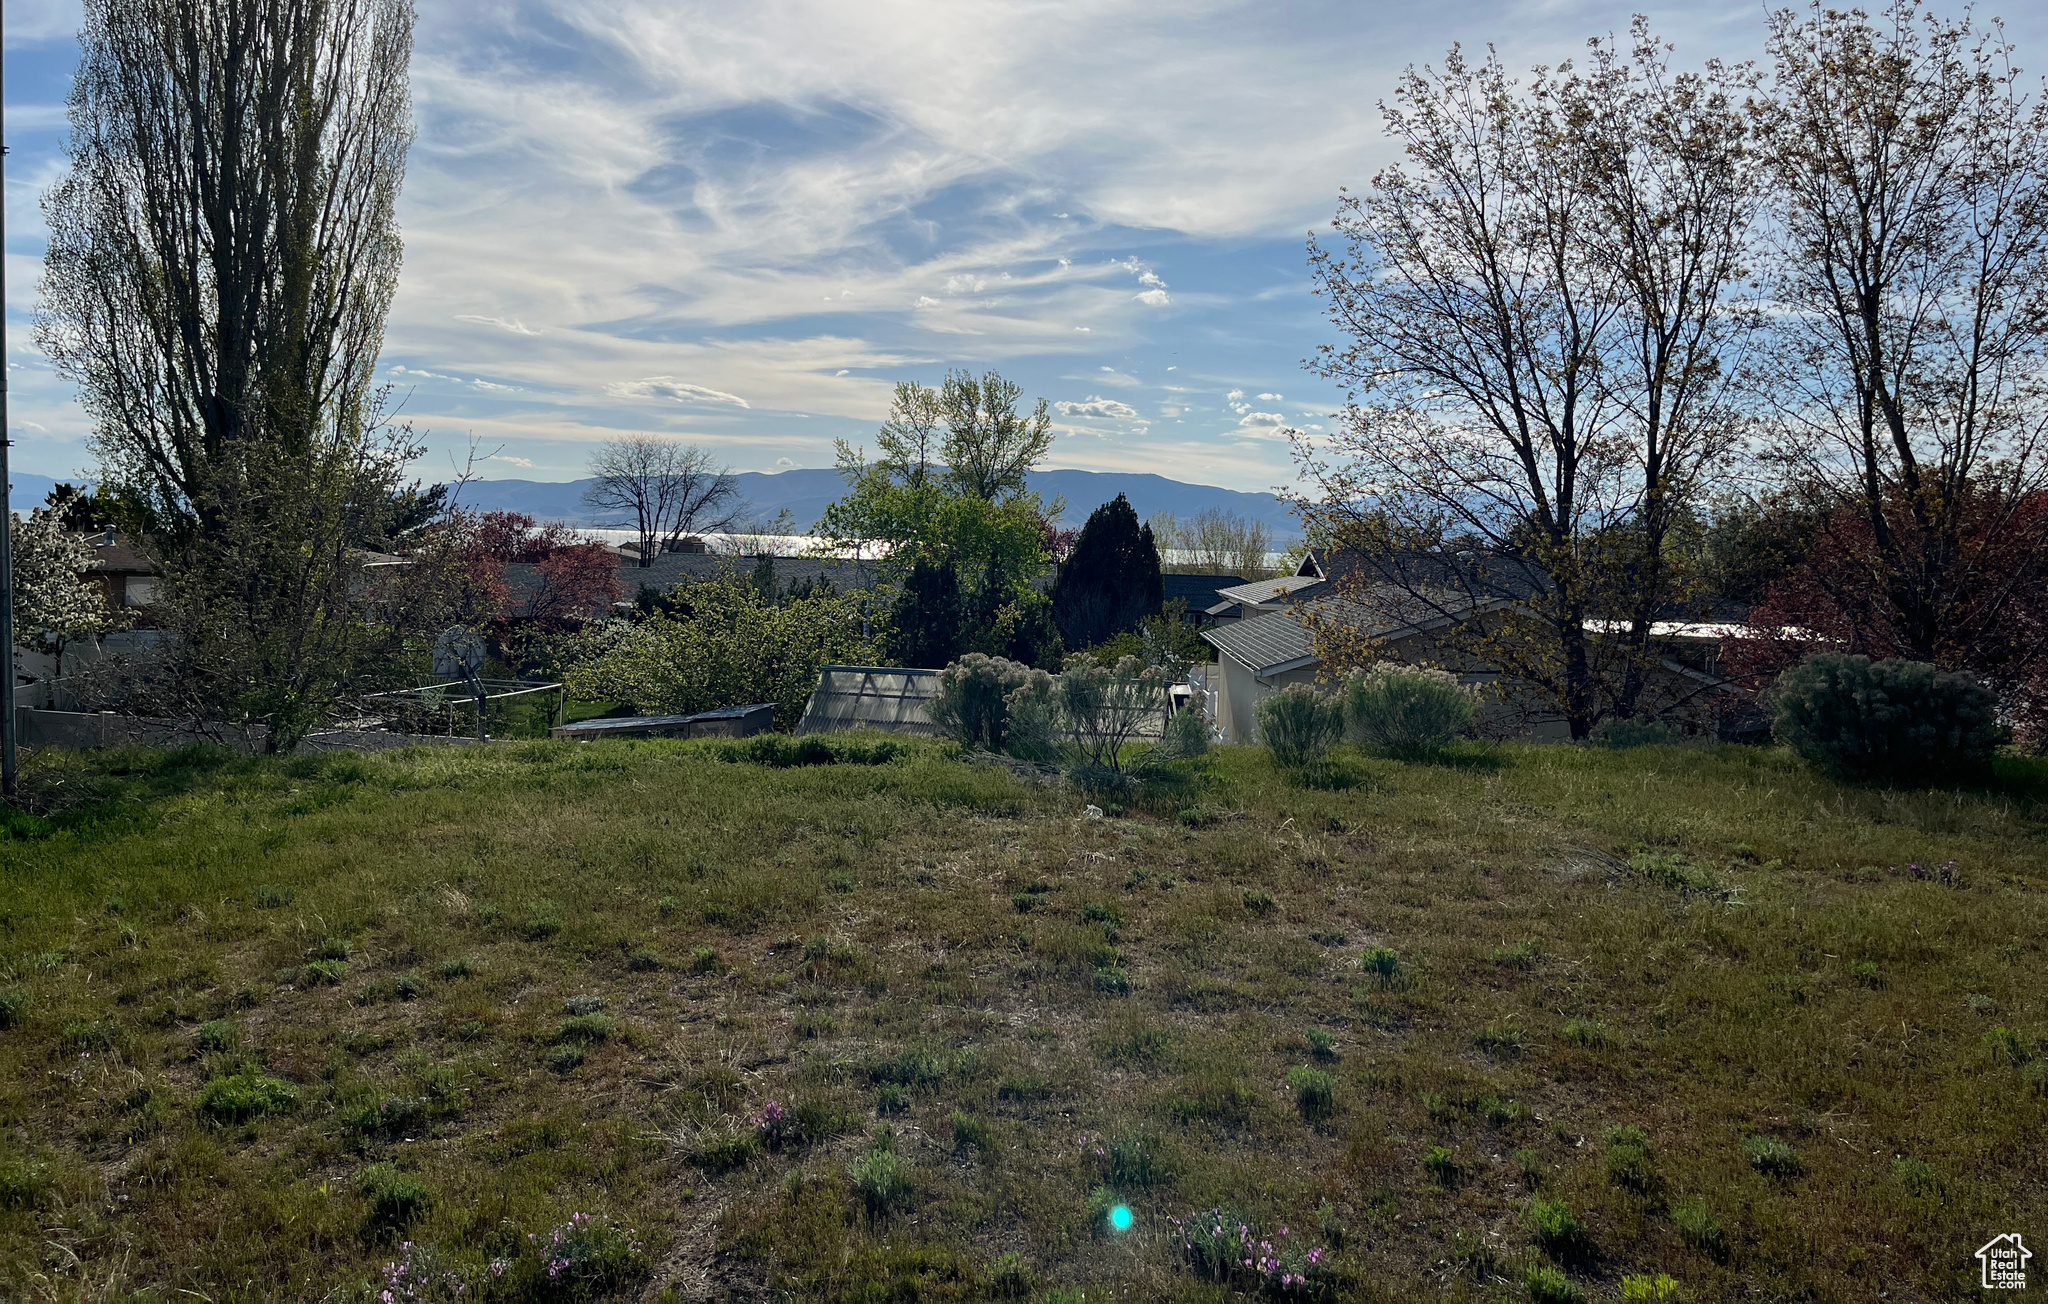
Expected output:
(725, 722)
(889, 698)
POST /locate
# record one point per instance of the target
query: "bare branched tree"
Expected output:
(221, 261)
(666, 489)
(1539, 343)
(1911, 170)
(1214, 542)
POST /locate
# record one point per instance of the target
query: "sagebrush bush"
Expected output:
(881, 1179)
(971, 704)
(1890, 721)
(1092, 720)
(1772, 1157)
(1406, 708)
(1300, 725)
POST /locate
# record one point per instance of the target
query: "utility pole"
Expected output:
(7, 722)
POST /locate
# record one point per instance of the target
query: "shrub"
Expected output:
(1636, 731)
(1315, 1094)
(1010, 1277)
(1321, 1043)
(1441, 1164)
(214, 1037)
(245, 1096)
(643, 960)
(1223, 1246)
(1889, 721)
(1502, 1039)
(1772, 1157)
(881, 1179)
(588, 1029)
(726, 643)
(1473, 1256)
(565, 1057)
(1259, 902)
(1699, 1229)
(1406, 708)
(459, 967)
(1546, 1285)
(13, 1008)
(25, 1184)
(397, 1199)
(1590, 1033)
(1522, 956)
(971, 705)
(1132, 1162)
(970, 1131)
(1557, 1229)
(588, 1257)
(1384, 964)
(722, 1150)
(1628, 1159)
(1112, 981)
(1300, 725)
(1660, 1289)
(1090, 719)
(705, 959)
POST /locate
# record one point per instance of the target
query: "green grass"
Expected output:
(1662, 1012)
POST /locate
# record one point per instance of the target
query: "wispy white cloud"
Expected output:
(516, 327)
(671, 388)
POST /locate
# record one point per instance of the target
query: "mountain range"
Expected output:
(806, 492)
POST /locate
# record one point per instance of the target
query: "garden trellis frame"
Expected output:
(482, 692)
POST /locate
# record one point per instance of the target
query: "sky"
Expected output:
(740, 224)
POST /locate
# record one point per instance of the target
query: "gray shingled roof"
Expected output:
(1259, 591)
(1267, 644)
(1276, 642)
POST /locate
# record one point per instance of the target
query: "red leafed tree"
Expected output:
(1993, 619)
(578, 578)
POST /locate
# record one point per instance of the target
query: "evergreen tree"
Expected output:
(927, 616)
(1111, 580)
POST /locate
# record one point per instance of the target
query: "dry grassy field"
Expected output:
(645, 1021)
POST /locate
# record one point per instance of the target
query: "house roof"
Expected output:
(1277, 641)
(1269, 644)
(1263, 591)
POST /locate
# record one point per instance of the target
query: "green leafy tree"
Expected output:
(925, 621)
(947, 484)
(722, 644)
(221, 262)
(1110, 583)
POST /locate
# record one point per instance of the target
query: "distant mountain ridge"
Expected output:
(807, 492)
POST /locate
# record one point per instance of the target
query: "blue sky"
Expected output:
(739, 223)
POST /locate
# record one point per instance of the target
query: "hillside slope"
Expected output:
(906, 1030)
